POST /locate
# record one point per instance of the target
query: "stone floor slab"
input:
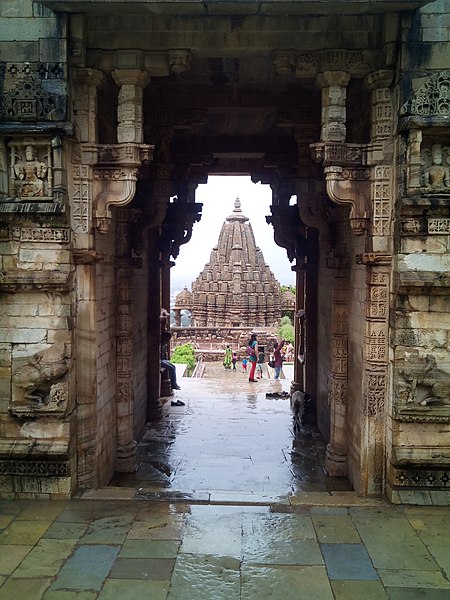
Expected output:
(26, 589)
(23, 533)
(441, 554)
(205, 577)
(160, 527)
(65, 531)
(356, 590)
(107, 530)
(149, 549)
(432, 529)
(143, 568)
(416, 594)
(47, 511)
(288, 583)
(93, 562)
(335, 529)
(132, 589)
(11, 557)
(45, 559)
(64, 595)
(417, 579)
(393, 541)
(348, 561)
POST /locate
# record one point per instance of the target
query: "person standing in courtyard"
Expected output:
(253, 357)
(244, 364)
(234, 360)
(277, 358)
(227, 358)
(260, 363)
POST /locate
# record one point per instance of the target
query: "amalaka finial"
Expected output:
(237, 205)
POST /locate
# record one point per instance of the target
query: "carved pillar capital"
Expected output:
(87, 83)
(336, 79)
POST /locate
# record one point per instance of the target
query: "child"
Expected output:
(234, 360)
(244, 364)
(260, 363)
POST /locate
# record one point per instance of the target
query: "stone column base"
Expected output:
(126, 458)
(335, 463)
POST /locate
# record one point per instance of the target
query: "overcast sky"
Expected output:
(218, 197)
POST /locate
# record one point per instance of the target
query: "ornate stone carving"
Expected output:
(351, 187)
(34, 92)
(356, 62)
(179, 60)
(422, 390)
(432, 99)
(31, 171)
(435, 173)
(421, 478)
(41, 234)
(39, 468)
(38, 387)
(438, 226)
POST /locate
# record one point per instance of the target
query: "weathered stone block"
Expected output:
(22, 336)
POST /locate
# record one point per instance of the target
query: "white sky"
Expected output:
(218, 197)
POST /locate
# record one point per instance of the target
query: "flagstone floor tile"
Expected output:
(335, 529)
(67, 595)
(149, 549)
(87, 569)
(416, 579)
(108, 530)
(416, 594)
(143, 568)
(133, 589)
(23, 533)
(24, 589)
(11, 557)
(45, 559)
(60, 530)
(441, 554)
(348, 561)
(358, 590)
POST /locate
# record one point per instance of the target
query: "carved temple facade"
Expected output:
(111, 114)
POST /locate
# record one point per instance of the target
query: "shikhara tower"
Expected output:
(236, 288)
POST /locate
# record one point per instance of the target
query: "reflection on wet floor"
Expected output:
(229, 438)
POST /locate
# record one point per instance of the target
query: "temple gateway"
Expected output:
(113, 112)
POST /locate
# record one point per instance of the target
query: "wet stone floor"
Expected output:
(229, 441)
(227, 505)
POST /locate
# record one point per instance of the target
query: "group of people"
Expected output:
(256, 357)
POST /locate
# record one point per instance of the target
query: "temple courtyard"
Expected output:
(227, 503)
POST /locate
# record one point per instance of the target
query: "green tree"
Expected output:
(286, 330)
(184, 355)
(285, 288)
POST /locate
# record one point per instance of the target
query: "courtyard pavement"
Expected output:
(238, 528)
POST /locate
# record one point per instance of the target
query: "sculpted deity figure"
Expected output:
(435, 175)
(30, 175)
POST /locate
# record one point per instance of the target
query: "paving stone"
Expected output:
(419, 579)
(214, 530)
(159, 527)
(5, 520)
(280, 539)
(335, 529)
(64, 595)
(87, 569)
(47, 511)
(432, 529)
(348, 561)
(24, 589)
(45, 559)
(133, 589)
(205, 577)
(108, 530)
(441, 554)
(261, 583)
(23, 533)
(416, 594)
(11, 557)
(65, 531)
(143, 568)
(393, 541)
(356, 590)
(149, 549)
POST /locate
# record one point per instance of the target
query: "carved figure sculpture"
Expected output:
(42, 372)
(29, 174)
(435, 174)
(421, 383)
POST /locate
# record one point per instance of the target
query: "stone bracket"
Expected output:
(351, 187)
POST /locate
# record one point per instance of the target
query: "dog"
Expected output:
(299, 403)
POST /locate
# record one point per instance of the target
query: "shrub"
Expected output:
(184, 355)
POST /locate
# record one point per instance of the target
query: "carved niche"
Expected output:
(31, 170)
(432, 99)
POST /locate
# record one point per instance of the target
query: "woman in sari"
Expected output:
(227, 358)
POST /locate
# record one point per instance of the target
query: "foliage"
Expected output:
(184, 355)
(286, 331)
(285, 288)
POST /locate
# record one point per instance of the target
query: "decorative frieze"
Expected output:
(438, 226)
(34, 91)
(421, 478)
(431, 100)
(59, 235)
(355, 62)
(37, 468)
(375, 387)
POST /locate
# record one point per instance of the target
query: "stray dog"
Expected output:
(299, 402)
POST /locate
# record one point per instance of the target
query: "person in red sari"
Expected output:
(253, 358)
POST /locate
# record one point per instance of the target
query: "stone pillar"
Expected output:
(126, 444)
(87, 82)
(378, 263)
(299, 326)
(129, 111)
(336, 453)
(154, 409)
(334, 93)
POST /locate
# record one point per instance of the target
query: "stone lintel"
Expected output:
(427, 282)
